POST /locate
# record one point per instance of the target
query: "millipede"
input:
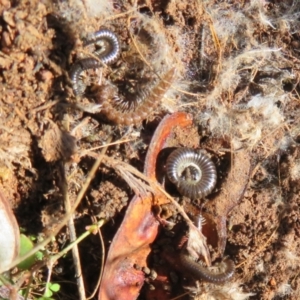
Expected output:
(119, 112)
(192, 171)
(200, 272)
(110, 51)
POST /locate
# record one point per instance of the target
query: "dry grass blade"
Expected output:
(131, 175)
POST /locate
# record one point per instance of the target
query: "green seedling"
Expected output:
(25, 246)
(50, 289)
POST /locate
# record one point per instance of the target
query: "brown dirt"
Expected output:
(44, 137)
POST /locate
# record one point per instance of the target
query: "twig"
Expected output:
(155, 186)
(50, 268)
(181, 296)
(72, 230)
(84, 152)
(91, 229)
(45, 106)
(102, 261)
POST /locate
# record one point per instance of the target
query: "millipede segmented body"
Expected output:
(200, 272)
(110, 45)
(110, 51)
(146, 101)
(192, 171)
(199, 221)
(77, 69)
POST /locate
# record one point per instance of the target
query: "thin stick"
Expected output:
(136, 46)
(45, 106)
(102, 261)
(50, 268)
(84, 152)
(72, 230)
(181, 296)
(113, 163)
(91, 229)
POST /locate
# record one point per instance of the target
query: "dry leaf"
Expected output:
(131, 244)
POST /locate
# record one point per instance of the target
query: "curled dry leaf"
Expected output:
(231, 193)
(9, 235)
(131, 244)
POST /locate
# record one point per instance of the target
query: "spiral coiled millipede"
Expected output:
(112, 52)
(107, 56)
(185, 159)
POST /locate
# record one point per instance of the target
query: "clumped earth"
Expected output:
(237, 73)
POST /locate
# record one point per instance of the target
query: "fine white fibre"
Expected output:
(251, 116)
(284, 289)
(295, 170)
(229, 291)
(99, 8)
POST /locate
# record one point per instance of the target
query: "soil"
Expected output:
(237, 73)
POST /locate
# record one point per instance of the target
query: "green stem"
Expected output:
(78, 240)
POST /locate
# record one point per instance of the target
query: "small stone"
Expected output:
(153, 275)
(5, 41)
(273, 282)
(137, 267)
(8, 18)
(45, 75)
(146, 270)
(167, 287)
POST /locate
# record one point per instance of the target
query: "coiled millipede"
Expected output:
(110, 51)
(192, 171)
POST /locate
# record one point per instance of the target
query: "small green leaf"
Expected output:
(25, 246)
(39, 255)
(54, 287)
(48, 293)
